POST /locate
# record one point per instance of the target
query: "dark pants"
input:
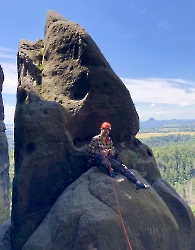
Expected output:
(107, 163)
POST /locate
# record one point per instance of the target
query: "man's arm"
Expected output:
(91, 149)
(112, 149)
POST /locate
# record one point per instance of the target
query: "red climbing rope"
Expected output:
(119, 211)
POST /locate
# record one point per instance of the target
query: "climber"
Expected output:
(102, 149)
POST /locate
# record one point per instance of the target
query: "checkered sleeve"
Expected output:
(111, 146)
(94, 146)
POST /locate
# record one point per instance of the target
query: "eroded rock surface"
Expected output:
(68, 68)
(5, 239)
(4, 158)
(86, 217)
(66, 90)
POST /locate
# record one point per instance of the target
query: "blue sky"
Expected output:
(149, 44)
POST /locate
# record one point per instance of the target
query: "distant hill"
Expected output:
(173, 124)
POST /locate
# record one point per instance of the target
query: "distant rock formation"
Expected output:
(174, 123)
(66, 90)
(4, 157)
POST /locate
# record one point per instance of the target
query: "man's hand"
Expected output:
(106, 152)
(112, 173)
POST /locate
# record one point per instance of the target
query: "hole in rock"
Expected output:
(21, 96)
(80, 87)
(149, 153)
(45, 112)
(79, 142)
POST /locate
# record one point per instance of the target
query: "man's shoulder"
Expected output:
(96, 137)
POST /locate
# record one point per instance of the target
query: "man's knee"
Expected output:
(99, 158)
(116, 165)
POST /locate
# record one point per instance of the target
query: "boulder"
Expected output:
(5, 241)
(135, 154)
(46, 163)
(4, 156)
(181, 212)
(66, 89)
(86, 216)
(68, 68)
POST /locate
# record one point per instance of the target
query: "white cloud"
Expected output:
(163, 25)
(9, 114)
(6, 56)
(8, 63)
(7, 53)
(143, 11)
(7, 49)
(153, 93)
(168, 113)
(10, 73)
(161, 91)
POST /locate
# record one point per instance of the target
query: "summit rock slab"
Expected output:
(86, 216)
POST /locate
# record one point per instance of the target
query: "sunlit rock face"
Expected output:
(86, 216)
(68, 68)
(4, 158)
(66, 89)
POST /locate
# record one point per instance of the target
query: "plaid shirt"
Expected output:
(97, 144)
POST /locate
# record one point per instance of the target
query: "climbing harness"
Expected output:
(119, 211)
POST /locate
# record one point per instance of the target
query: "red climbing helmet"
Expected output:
(105, 125)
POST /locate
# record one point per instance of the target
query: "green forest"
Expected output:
(175, 157)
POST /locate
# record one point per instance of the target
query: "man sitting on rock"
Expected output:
(102, 149)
